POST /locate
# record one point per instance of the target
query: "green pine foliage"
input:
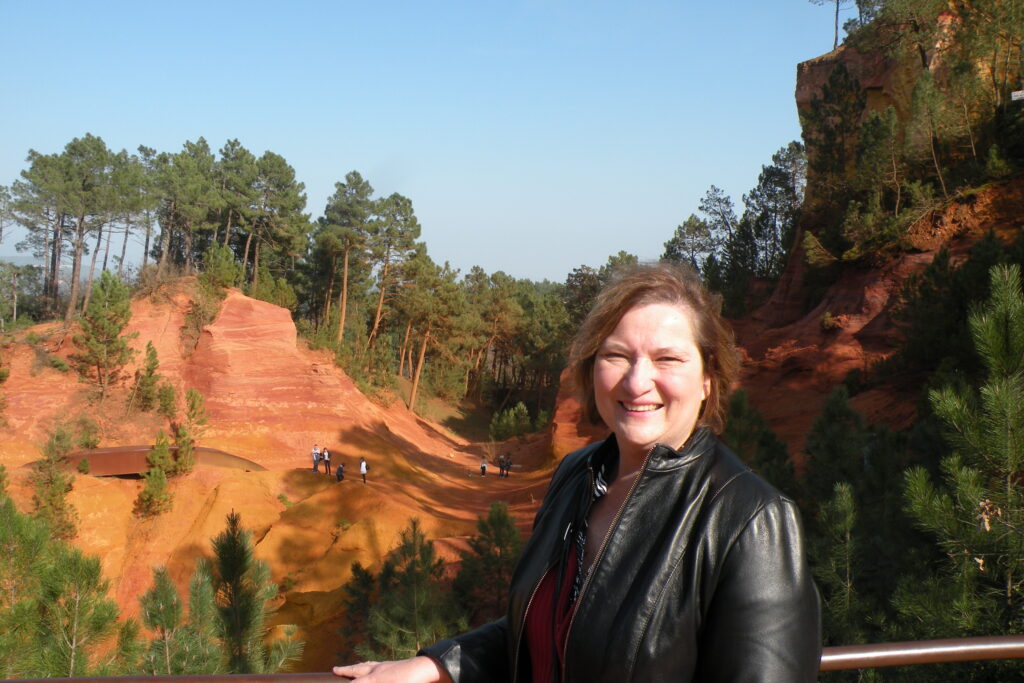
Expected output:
(103, 349)
(413, 608)
(360, 595)
(934, 308)
(748, 434)
(188, 432)
(87, 432)
(55, 617)
(242, 588)
(51, 483)
(155, 497)
(145, 394)
(836, 447)
(182, 644)
(25, 544)
(514, 421)
(167, 400)
(76, 618)
(977, 511)
(486, 569)
(220, 270)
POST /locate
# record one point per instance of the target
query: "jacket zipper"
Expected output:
(598, 557)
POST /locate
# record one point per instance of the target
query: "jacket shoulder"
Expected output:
(734, 482)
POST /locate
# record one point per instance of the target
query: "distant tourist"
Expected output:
(363, 468)
(483, 467)
(508, 465)
(325, 455)
(340, 472)
(316, 458)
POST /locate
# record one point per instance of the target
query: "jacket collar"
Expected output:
(605, 457)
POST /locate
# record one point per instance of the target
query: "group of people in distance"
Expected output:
(323, 455)
(504, 466)
(656, 554)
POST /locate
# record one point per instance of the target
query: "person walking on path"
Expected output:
(363, 469)
(483, 467)
(508, 465)
(316, 458)
(339, 474)
(325, 455)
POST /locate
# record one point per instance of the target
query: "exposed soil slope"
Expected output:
(791, 365)
(269, 399)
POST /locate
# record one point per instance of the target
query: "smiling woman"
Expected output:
(656, 554)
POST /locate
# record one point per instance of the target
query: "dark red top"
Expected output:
(541, 633)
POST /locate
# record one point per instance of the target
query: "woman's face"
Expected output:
(649, 379)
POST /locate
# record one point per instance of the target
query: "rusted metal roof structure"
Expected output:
(121, 460)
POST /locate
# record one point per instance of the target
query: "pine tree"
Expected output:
(413, 609)
(167, 400)
(201, 651)
(146, 381)
(836, 569)
(162, 614)
(242, 589)
(837, 447)
(977, 514)
(748, 434)
(77, 619)
(182, 645)
(360, 596)
(690, 244)
(155, 498)
(24, 544)
(51, 484)
(486, 572)
(188, 432)
(103, 350)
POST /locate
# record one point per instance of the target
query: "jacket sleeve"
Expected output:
(479, 656)
(764, 623)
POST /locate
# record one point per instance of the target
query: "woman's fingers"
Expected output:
(414, 670)
(355, 670)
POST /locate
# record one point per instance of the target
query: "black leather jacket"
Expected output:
(702, 578)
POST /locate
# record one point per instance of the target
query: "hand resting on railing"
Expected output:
(413, 670)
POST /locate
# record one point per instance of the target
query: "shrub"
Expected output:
(508, 423)
(88, 432)
(167, 400)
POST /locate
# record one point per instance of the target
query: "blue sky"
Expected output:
(531, 136)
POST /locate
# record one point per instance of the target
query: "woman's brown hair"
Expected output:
(663, 283)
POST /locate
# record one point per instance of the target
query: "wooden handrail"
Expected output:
(839, 658)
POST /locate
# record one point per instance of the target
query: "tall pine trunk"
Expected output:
(419, 370)
(92, 269)
(76, 269)
(343, 297)
(380, 305)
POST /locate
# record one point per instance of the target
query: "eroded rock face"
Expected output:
(269, 399)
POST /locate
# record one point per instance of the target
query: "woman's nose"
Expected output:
(639, 377)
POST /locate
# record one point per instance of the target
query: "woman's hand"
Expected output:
(414, 670)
